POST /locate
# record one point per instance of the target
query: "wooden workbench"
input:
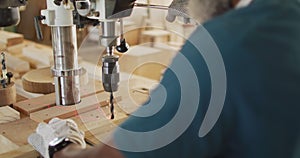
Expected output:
(92, 114)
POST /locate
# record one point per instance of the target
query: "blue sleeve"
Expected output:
(168, 124)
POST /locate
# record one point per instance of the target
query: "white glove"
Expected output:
(45, 133)
(178, 8)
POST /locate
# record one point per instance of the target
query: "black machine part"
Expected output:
(110, 73)
(9, 17)
(12, 3)
(9, 12)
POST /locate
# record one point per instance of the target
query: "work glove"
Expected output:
(56, 128)
(178, 8)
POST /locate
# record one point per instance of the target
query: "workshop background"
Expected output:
(28, 97)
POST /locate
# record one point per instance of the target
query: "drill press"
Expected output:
(61, 16)
(107, 12)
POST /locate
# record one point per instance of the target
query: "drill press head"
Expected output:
(108, 12)
(9, 12)
(105, 9)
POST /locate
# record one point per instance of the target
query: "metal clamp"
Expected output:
(67, 73)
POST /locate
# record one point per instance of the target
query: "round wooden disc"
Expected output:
(8, 95)
(42, 81)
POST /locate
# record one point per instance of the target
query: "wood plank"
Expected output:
(146, 61)
(10, 38)
(16, 64)
(32, 105)
(40, 53)
(87, 104)
(95, 123)
(6, 145)
(34, 64)
(47, 101)
(17, 49)
(96, 118)
(8, 114)
(25, 151)
(19, 130)
(21, 98)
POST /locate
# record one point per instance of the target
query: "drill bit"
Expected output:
(4, 70)
(112, 105)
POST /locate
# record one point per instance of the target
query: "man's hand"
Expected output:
(45, 133)
(178, 8)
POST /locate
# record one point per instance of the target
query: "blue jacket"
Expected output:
(260, 47)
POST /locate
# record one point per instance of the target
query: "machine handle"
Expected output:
(37, 26)
(123, 47)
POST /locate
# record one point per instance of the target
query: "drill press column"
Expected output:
(59, 16)
(66, 70)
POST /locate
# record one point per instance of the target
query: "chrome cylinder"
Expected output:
(66, 70)
(108, 37)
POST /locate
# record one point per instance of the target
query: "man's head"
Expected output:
(203, 10)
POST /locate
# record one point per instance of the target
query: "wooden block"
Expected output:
(35, 104)
(8, 95)
(42, 54)
(42, 81)
(39, 103)
(34, 64)
(16, 64)
(16, 49)
(135, 92)
(19, 130)
(151, 70)
(145, 61)
(155, 36)
(21, 98)
(8, 114)
(95, 123)
(2, 47)
(87, 104)
(6, 145)
(10, 38)
(96, 119)
(97, 135)
(39, 81)
(22, 92)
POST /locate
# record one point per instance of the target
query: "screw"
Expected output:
(9, 76)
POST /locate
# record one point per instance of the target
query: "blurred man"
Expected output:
(259, 46)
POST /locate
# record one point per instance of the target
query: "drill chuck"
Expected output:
(110, 73)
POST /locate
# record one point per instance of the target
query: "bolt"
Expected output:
(9, 76)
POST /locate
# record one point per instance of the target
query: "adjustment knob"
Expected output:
(123, 47)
